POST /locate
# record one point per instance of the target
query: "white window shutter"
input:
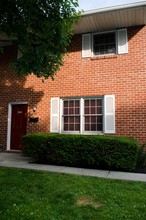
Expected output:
(54, 119)
(60, 115)
(109, 114)
(122, 41)
(86, 45)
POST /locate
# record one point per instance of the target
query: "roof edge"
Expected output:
(114, 8)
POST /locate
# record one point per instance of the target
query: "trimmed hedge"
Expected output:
(96, 151)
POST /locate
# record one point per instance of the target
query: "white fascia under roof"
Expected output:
(114, 8)
(126, 15)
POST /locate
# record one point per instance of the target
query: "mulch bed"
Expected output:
(140, 170)
(137, 170)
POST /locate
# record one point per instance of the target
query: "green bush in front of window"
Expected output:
(91, 151)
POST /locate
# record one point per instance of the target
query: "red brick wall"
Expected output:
(121, 75)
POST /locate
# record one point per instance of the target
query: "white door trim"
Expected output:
(9, 121)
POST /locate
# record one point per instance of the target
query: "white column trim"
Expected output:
(81, 115)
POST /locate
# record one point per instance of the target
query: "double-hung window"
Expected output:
(105, 43)
(85, 112)
(83, 115)
(93, 115)
(71, 115)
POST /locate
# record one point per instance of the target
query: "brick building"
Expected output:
(100, 89)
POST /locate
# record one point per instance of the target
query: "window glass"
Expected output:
(71, 115)
(91, 116)
(104, 43)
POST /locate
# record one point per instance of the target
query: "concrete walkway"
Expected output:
(17, 160)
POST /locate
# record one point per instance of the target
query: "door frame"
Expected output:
(9, 121)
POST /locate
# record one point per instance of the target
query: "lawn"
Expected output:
(27, 195)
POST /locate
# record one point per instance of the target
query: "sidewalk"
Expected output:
(17, 160)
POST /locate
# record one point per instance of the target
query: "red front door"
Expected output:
(18, 126)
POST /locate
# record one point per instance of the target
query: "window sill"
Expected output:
(83, 133)
(104, 57)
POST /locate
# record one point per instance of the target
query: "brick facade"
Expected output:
(121, 75)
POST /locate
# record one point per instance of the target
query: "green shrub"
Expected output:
(82, 150)
(141, 157)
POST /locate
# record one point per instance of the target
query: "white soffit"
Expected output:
(112, 18)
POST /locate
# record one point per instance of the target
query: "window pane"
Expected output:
(93, 119)
(99, 110)
(77, 111)
(86, 111)
(71, 104)
(77, 127)
(99, 127)
(65, 104)
(99, 119)
(86, 103)
(87, 119)
(71, 111)
(66, 120)
(65, 112)
(71, 127)
(77, 119)
(93, 127)
(71, 120)
(77, 103)
(93, 110)
(98, 102)
(65, 127)
(87, 127)
(93, 102)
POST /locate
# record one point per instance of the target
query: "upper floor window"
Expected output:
(104, 43)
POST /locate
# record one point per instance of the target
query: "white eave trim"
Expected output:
(112, 18)
(114, 8)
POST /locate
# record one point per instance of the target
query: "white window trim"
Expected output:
(61, 117)
(81, 99)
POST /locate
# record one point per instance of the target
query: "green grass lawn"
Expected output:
(26, 194)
